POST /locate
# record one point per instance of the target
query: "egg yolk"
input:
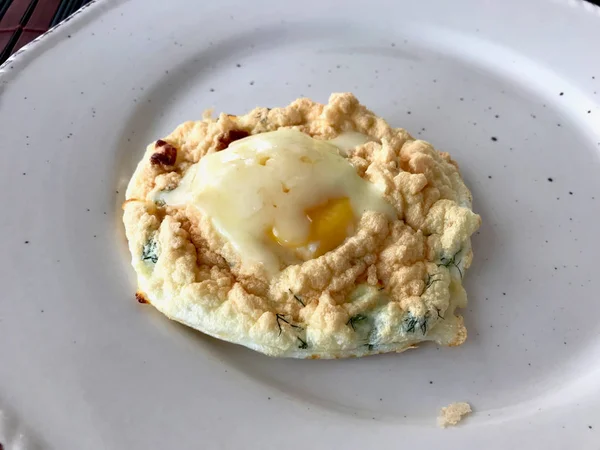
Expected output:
(330, 224)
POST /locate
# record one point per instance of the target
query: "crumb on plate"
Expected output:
(453, 413)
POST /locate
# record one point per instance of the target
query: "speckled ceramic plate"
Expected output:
(509, 89)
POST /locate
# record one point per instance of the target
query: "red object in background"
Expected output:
(21, 21)
(11, 22)
(38, 23)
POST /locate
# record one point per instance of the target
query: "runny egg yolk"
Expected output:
(330, 223)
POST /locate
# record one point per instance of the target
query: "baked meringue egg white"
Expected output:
(309, 231)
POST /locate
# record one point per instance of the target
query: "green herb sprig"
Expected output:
(354, 320)
(303, 344)
(298, 299)
(447, 262)
(281, 318)
(150, 251)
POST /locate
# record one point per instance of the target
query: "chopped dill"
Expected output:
(430, 280)
(298, 299)
(412, 323)
(438, 313)
(281, 318)
(149, 252)
(303, 345)
(355, 320)
(447, 262)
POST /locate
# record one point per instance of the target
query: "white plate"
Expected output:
(509, 88)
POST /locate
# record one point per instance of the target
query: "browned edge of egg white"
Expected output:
(166, 154)
(228, 137)
(141, 297)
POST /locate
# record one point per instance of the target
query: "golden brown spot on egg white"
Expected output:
(140, 297)
(165, 155)
(205, 254)
(226, 138)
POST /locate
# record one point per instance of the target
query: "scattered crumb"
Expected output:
(452, 414)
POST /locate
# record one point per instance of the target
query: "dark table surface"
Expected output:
(21, 21)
